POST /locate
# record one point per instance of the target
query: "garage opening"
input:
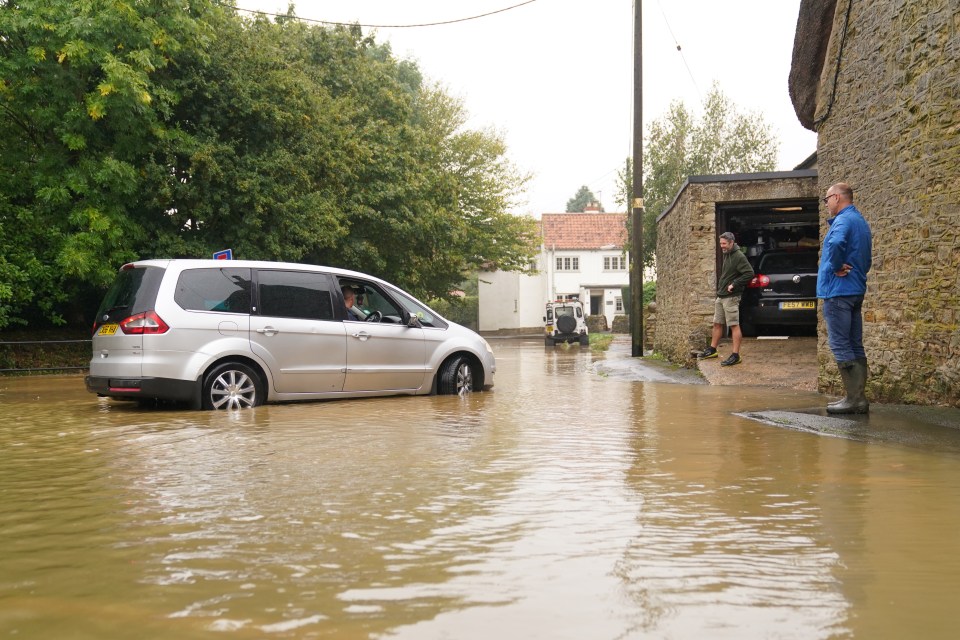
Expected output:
(781, 241)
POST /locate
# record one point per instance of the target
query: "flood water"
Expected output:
(562, 504)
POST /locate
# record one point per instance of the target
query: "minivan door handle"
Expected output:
(268, 330)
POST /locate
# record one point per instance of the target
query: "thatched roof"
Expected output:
(814, 25)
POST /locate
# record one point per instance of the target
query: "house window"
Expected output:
(614, 263)
(618, 302)
(568, 263)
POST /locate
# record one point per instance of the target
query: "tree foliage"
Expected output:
(168, 128)
(722, 140)
(583, 198)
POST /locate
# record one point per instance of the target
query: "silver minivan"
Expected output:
(219, 334)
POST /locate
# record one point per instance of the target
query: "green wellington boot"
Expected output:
(847, 385)
(854, 376)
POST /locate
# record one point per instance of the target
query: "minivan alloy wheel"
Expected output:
(456, 377)
(232, 386)
(464, 379)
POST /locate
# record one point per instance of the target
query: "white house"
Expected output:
(581, 256)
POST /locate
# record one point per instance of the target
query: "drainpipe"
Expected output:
(553, 274)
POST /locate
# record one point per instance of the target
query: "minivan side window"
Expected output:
(294, 294)
(224, 290)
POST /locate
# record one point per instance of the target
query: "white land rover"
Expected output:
(564, 322)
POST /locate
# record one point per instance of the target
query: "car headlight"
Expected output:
(488, 347)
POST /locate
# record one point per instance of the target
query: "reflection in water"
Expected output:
(562, 505)
(723, 538)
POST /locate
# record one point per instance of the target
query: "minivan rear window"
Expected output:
(133, 291)
(225, 290)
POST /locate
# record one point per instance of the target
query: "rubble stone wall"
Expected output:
(888, 119)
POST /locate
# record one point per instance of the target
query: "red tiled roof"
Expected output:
(583, 230)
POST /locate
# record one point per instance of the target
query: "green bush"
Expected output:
(649, 292)
(465, 310)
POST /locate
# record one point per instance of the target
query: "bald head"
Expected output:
(838, 196)
(844, 192)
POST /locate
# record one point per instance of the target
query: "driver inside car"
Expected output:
(349, 300)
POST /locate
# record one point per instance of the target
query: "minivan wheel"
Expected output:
(232, 385)
(456, 377)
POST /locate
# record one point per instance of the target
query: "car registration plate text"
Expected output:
(802, 304)
(108, 330)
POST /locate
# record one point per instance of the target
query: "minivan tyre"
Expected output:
(232, 385)
(456, 376)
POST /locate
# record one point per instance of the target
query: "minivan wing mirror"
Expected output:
(410, 319)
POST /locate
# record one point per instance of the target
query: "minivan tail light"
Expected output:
(146, 323)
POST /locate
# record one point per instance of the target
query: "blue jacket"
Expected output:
(848, 241)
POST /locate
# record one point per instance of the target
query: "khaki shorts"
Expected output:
(727, 311)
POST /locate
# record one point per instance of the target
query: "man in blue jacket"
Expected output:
(845, 259)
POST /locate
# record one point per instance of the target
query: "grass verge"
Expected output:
(600, 341)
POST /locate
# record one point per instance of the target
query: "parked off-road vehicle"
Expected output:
(564, 322)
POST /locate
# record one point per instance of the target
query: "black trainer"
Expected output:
(709, 352)
(732, 360)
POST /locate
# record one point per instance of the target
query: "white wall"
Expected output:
(510, 300)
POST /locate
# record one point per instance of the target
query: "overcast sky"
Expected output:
(555, 76)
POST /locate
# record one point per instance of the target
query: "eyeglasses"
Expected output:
(827, 199)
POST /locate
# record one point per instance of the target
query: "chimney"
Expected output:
(593, 207)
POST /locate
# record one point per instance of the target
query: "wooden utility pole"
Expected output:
(636, 250)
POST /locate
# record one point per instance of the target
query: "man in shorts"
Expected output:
(735, 274)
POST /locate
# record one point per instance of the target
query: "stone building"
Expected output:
(879, 81)
(688, 257)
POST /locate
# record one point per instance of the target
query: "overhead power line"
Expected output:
(682, 57)
(388, 26)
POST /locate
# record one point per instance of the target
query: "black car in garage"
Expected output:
(783, 293)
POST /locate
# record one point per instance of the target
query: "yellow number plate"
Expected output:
(107, 330)
(808, 304)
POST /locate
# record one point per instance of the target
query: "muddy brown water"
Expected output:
(566, 503)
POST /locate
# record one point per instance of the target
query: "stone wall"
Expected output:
(888, 118)
(687, 252)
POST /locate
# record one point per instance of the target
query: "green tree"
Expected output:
(722, 140)
(84, 98)
(579, 202)
(171, 129)
(264, 157)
